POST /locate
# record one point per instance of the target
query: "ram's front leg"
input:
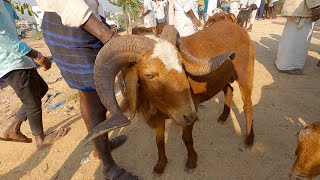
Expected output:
(188, 141)
(162, 161)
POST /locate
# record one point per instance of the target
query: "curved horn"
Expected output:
(202, 66)
(170, 34)
(116, 54)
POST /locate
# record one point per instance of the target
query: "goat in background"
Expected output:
(244, 15)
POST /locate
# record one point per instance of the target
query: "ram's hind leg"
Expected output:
(248, 111)
(162, 161)
(228, 94)
(188, 141)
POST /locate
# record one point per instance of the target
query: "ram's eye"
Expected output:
(150, 76)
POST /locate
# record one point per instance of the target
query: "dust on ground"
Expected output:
(281, 103)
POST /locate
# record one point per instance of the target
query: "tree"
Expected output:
(130, 8)
(22, 7)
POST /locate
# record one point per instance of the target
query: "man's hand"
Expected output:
(198, 23)
(315, 13)
(43, 61)
(40, 59)
(95, 27)
(194, 18)
(46, 64)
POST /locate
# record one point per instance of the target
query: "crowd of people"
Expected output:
(78, 24)
(188, 15)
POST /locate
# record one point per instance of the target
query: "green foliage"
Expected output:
(22, 7)
(130, 8)
(37, 35)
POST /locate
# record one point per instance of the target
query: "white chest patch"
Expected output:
(167, 53)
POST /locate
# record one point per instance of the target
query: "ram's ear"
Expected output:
(232, 18)
(132, 86)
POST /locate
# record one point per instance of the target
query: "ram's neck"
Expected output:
(149, 113)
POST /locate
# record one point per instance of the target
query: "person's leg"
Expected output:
(261, 9)
(293, 47)
(12, 132)
(275, 9)
(252, 18)
(85, 113)
(97, 114)
(30, 87)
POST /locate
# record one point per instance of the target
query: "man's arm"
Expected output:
(194, 18)
(20, 48)
(314, 5)
(146, 13)
(98, 29)
(187, 8)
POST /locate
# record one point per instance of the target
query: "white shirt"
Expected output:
(73, 13)
(249, 2)
(212, 6)
(183, 23)
(149, 20)
(256, 2)
(159, 9)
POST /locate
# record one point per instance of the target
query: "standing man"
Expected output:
(18, 70)
(149, 17)
(297, 34)
(273, 7)
(186, 17)
(261, 9)
(160, 11)
(75, 33)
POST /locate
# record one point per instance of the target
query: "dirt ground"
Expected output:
(282, 103)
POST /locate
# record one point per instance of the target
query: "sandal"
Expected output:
(22, 140)
(117, 141)
(122, 174)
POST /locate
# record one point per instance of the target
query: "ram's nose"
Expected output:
(190, 118)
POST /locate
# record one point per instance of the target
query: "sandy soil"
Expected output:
(281, 103)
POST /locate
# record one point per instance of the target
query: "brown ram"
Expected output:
(223, 36)
(202, 76)
(307, 164)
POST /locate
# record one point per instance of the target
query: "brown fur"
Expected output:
(144, 31)
(220, 17)
(147, 100)
(220, 37)
(307, 164)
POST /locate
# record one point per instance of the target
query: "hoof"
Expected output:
(159, 168)
(188, 170)
(224, 116)
(190, 166)
(249, 140)
(222, 120)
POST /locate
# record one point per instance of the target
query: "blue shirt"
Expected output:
(12, 50)
(11, 11)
